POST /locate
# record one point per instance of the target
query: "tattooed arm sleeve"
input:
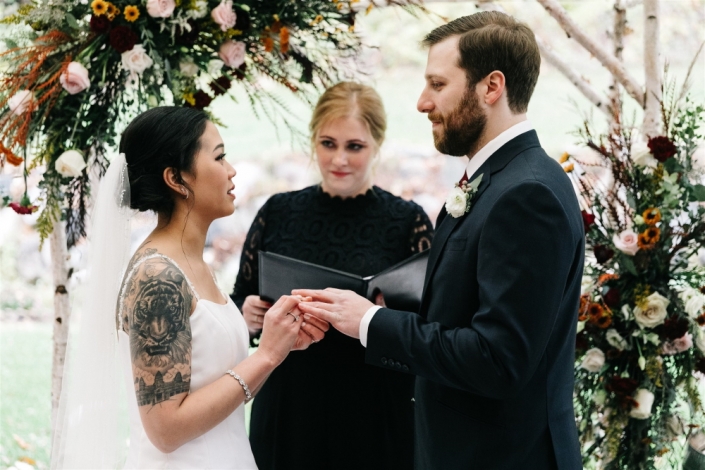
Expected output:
(158, 309)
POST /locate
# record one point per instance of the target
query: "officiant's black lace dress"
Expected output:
(324, 408)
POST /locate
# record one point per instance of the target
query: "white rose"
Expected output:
(653, 312)
(641, 155)
(694, 301)
(136, 60)
(215, 66)
(645, 400)
(616, 340)
(457, 202)
(188, 68)
(200, 9)
(160, 8)
(75, 79)
(70, 164)
(626, 242)
(593, 361)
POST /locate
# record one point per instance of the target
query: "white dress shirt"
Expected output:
(475, 163)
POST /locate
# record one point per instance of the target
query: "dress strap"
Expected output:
(134, 269)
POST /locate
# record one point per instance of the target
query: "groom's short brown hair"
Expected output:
(492, 41)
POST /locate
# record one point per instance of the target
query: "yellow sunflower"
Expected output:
(113, 11)
(100, 7)
(131, 13)
(651, 216)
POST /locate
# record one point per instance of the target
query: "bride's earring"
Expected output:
(184, 192)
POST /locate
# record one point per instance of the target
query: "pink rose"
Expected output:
(224, 15)
(626, 242)
(160, 8)
(75, 79)
(679, 345)
(20, 101)
(232, 53)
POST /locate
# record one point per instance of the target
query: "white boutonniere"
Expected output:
(459, 200)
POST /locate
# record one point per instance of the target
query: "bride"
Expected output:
(177, 344)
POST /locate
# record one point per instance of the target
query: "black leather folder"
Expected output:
(401, 284)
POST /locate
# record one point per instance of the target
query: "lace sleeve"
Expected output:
(247, 281)
(421, 232)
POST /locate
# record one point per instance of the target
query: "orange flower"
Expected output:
(604, 321)
(569, 168)
(606, 278)
(583, 308)
(131, 13)
(100, 7)
(113, 11)
(595, 311)
(564, 158)
(652, 216)
(10, 157)
(284, 40)
(268, 44)
(648, 238)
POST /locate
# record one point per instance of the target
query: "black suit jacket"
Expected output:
(493, 345)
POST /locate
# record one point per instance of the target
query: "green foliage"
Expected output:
(643, 300)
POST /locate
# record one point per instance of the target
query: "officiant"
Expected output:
(363, 414)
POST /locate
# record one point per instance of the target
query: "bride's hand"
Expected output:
(312, 331)
(281, 327)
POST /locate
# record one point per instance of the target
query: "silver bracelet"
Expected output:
(248, 394)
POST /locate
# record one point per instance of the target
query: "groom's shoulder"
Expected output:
(534, 164)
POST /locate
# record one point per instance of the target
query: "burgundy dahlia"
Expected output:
(122, 39)
(202, 99)
(220, 85)
(622, 386)
(673, 328)
(99, 24)
(661, 148)
(603, 253)
(588, 220)
(612, 298)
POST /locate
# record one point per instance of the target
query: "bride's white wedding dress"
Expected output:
(219, 341)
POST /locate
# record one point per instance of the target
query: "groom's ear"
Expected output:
(492, 87)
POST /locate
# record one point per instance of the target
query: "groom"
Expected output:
(493, 343)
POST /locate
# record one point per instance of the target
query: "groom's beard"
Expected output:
(461, 128)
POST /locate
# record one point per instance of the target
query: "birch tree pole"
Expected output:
(652, 69)
(62, 311)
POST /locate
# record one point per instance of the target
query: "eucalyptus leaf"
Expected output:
(698, 193)
(71, 21)
(629, 265)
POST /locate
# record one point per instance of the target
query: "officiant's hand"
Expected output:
(253, 311)
(341, 308)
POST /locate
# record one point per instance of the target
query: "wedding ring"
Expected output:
(295, 317)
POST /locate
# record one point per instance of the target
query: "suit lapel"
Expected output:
(445, 224)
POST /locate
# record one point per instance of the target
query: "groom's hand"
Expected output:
(341, 308)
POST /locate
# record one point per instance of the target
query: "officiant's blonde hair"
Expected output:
(350, 99)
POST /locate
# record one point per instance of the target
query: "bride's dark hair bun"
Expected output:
(164, 137)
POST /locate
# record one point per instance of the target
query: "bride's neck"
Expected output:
(185, 229)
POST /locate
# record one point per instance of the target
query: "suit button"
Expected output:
(405, 368)
(384, 361)
(397, 365)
